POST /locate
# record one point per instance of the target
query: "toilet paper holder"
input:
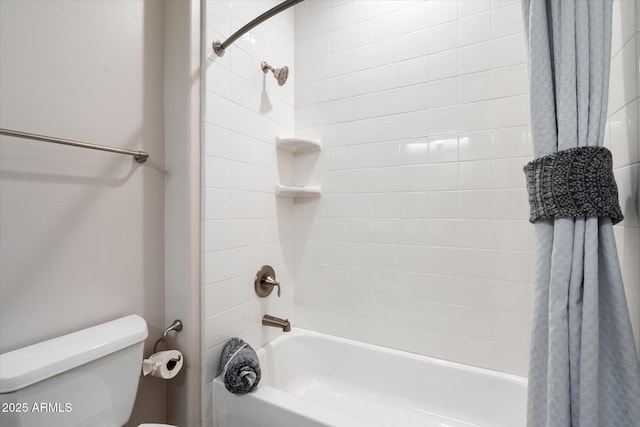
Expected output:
(175, 326)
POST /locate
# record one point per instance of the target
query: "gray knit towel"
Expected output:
(573, 183)
(240, 366)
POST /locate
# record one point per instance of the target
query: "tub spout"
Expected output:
(276, 322)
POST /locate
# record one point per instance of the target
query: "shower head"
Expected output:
(280, 74)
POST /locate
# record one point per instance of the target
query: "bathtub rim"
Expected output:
(324, 416)
(296, 331)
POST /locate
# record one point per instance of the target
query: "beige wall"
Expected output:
(81, 232)
(182, 202)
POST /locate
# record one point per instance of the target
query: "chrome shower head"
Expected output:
(280, 74)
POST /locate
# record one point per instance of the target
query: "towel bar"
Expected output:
(140, 156)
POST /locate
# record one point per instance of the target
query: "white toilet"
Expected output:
(87, 378)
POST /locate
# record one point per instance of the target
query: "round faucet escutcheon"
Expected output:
(265, 281)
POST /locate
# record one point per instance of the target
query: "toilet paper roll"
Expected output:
(163, 364)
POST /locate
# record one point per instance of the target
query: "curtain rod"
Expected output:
(140, 156)
(219, 47)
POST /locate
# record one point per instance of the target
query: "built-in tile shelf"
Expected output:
(291, 191)
(298, 145)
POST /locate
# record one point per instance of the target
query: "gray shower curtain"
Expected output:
(583, 369)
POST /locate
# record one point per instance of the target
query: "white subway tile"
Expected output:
(510, 50)
(216, 266)
(364, 10)
(340, 16)
(472, 7)
(442, 176)
(215, 330)
(389, 309)
(510, 358)
(414, 151)
(364, 57)
(511, 111)
(507, 173)
(511, 142)
(475, 175)
(443, 120)
(476, 234)
(240, 289)
(474, 29)
(476, 204)
(442, 93)
(442, 65)
(623, 24)
(404, 20)
(442, 37)
(475, 145)
(302, 50)
(362, 33)
(508, 327)
(216, 141)
(403, 47)
(215, 297)
(507, 20)
(394, 101)
(475, 116)
(443, 148)
(496, 4)
(390, 335)
(475, 351)
(218, 79)
(475, 87)
(362, 156)
(318, 18)
(509, 81)
(511, 204)
(476, 263)
(414, 205)
(622, 80)
(513, 297)
(340, 40)
(389, 179)
(216, 172)
(216, 110)
(388, 205)
(387, 153)
(515, 266)
(442, 205)
(441, 11)
(475, 57)
(318, 46)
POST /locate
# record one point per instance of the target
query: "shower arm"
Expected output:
(219, 47)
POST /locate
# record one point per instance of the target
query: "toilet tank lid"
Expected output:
(28, 365)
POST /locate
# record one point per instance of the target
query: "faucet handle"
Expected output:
(265, 281)
(271, 283)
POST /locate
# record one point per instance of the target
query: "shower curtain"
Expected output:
(583, 369)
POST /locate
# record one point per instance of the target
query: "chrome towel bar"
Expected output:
(140, 156)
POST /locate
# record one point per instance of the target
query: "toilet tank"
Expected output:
(86, 378)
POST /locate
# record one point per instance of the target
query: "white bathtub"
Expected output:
(311, 380)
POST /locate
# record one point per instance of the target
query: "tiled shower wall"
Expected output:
(244, 225)
(420, 240)
(623, 140)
